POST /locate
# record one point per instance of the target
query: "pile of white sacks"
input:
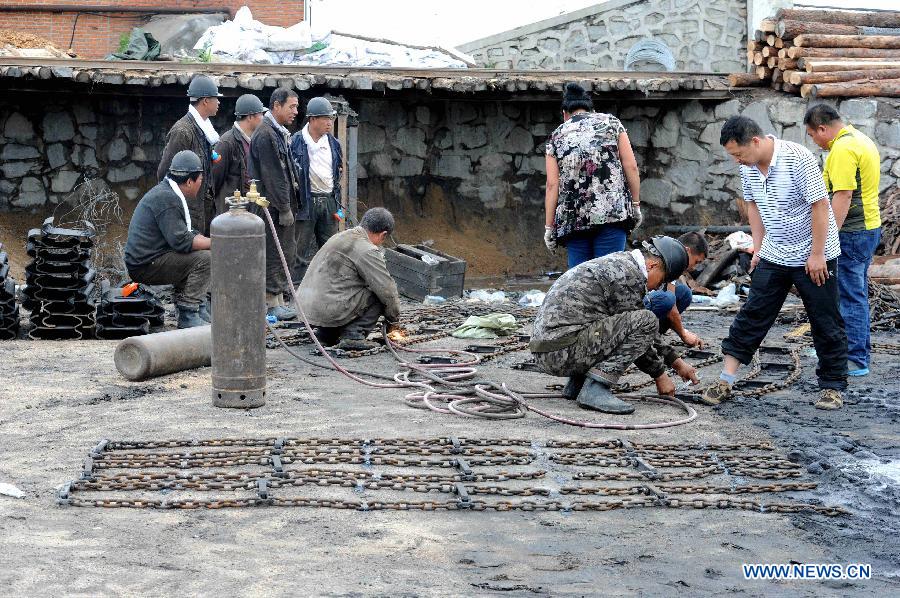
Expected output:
(245, 40)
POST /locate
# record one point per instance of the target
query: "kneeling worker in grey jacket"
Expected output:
(164, 248)
(347, 286)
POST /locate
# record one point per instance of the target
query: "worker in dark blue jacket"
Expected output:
(319, 157)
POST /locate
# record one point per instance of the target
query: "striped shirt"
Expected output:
(784, 198)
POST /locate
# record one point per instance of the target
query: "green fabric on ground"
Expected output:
(489, 326)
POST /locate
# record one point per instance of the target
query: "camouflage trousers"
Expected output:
(610, 345)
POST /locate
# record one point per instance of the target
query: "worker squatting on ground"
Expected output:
(320, 161)
(593, 324)
(348, 287)
(795, 242)
(164, 248)
(195, 132)
(273, 164)
(852, 176)
(231, 173)
(670, 303)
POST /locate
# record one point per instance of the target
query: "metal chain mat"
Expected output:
(474, 474)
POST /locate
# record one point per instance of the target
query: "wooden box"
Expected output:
(416, 279)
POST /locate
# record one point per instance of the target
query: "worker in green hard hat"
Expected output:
(593, 324)
(194, 131)
(163, 245)
(231, 172)
(319, 156)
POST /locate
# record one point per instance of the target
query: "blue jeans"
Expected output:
(607, 239)
(662, 302)
(857, 249)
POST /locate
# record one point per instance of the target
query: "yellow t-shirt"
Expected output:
(853, 164)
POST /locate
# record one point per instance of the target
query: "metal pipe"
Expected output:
(106, 8)
(141, 357)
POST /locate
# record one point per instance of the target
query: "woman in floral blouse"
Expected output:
(593, 186)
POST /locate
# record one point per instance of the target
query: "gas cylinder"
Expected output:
(238, 283)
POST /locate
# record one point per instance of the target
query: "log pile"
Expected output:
(820, 53)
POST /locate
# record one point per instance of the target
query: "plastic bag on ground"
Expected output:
(10, 490)
(482, 295)
(740, 240)
(489, 326)
(727, 296)
(533, 298)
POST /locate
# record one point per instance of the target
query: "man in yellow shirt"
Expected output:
(852, 173)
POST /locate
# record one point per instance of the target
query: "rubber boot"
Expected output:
(573, 386)
(189, 317)
(596, 394)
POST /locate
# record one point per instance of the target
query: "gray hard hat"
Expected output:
(319, 107)
(248, 104)
(673, 255)
(185, 162)
(203, 87)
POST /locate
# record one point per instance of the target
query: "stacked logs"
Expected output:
(826, 53)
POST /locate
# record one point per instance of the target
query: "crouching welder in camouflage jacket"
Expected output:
(594, 316)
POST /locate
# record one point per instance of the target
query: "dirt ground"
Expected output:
(59, 398)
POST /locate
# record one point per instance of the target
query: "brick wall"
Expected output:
(98, 35)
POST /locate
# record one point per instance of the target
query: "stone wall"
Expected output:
(49, 147)
(703, 35)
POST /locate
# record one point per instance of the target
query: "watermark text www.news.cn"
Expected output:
(807, 571)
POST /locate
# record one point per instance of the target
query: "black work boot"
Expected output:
(573, 386)
(596, 394)
(356, 344)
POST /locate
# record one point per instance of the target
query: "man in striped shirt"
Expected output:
(795, 242)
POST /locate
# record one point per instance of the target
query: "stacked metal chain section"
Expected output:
(59, 288)
(120, 316)
(438, 474)
(9, 311)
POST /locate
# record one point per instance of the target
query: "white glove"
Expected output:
(635, 213)
(550, 238)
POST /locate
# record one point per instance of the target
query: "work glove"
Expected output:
(286, 218)
(550, 238)
(634, 212)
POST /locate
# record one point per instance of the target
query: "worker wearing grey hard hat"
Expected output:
(163, 245)
(231, 173)
(195, 132)
(320, 159)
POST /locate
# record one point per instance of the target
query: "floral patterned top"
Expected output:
(592, 186)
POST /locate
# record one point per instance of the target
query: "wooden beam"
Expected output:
(791, 29)
(881, 18)
(841, 53)
(848, 41)
(786, 64)
(763, 72)
(744, 80)
(811, 65)
(758, 58)
(789, 88)
(865, 88)
(803, 78)
(767, 25)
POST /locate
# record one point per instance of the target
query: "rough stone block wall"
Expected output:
(97, 34)
(703, 35)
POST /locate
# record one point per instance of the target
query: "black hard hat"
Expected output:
(185, 162)
(673, 255)
(248, 104)
(203, 87)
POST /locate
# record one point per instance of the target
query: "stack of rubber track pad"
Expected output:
(9, 311)
(59, 289)
(121, 317)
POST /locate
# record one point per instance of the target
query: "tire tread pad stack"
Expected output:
(60, 289)
(121, 317)
(9, 311)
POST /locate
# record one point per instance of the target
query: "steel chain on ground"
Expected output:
(648, 462)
